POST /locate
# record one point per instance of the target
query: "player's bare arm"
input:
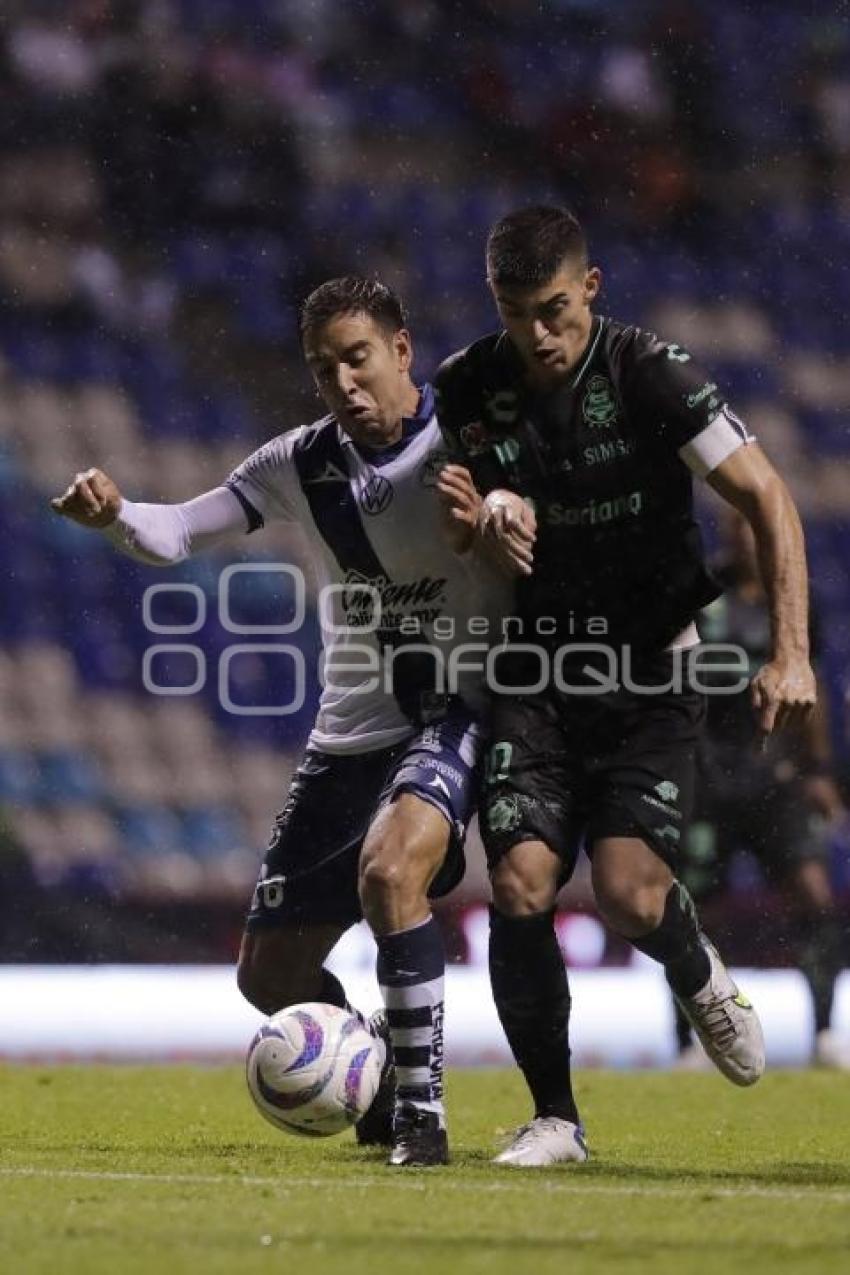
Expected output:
(784, 690)
(92, 500)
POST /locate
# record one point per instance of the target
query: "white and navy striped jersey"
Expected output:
(398, 594)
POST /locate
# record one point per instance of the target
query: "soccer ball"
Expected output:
(314, 1069)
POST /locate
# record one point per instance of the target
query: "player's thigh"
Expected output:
(531, 794)
(427, 803)
(406, 843)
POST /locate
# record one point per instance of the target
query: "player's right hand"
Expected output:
(92, 500)
(460, 505)
(508, 527)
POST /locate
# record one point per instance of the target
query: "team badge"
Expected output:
(474, 438)
(430, 470)
(503, 814)
(377, 495)
(599, 406)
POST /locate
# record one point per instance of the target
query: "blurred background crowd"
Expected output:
(175, 175)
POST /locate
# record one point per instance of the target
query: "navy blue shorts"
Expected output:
(309, 875)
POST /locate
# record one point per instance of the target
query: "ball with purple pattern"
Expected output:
(314, 1069)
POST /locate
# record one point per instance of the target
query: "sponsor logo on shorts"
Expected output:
(670, 811)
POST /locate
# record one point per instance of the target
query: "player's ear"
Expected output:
(592, 284)
(403, 345)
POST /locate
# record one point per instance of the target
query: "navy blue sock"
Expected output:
(532, 999)
(411, 969)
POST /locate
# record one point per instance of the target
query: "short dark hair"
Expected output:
(526, 248)
(352, 294)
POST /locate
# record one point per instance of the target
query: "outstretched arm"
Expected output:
(783, 691)
(156, 534)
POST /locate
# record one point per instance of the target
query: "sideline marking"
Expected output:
(531, 1182)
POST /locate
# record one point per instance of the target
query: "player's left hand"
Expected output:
(783, 694)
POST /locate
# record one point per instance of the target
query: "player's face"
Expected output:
(363, 374)
(550, 325)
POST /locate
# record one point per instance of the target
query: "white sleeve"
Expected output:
(708, 449)
(266, 483)
(164, 534)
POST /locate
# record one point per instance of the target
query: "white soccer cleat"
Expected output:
(726, 1023)
(831, 1051)
(692, 1058)
(545, 1140)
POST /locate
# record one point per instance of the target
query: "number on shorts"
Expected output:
(499, 762)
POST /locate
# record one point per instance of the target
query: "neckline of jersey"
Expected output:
(513, 356)
(410, 427)
(590, 349)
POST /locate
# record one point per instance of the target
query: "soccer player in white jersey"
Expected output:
(375, 818)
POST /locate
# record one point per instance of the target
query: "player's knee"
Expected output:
(383, 875)
(631, 909)
(267, 985)
(519, 890)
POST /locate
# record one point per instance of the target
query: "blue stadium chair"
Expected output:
(149, 829)
(199, 260)
(92, 356)
(20, 779)
(743, 380)
(828, 432)
(209, 832)
(10, 472)
(33, 353)
(68, 776)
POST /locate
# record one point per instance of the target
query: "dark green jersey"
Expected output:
(606, 459)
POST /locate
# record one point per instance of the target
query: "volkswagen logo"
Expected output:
(377, 495)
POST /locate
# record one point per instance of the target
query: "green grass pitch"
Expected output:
(169, 1170)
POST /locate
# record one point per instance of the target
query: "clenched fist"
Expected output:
(92, 500)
